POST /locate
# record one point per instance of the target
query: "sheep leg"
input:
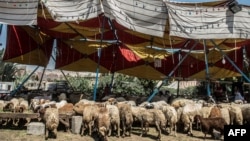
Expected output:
(5, 122)
(55, 133)
(190, 129)
(15, 122)
(123, 128)
(27, 121)
(110, 129)
(90, 128)
(159, 130)
(65, 123)
(83, 129)
(46, 134)
(118, 129)
(141, 128)
(175, 130)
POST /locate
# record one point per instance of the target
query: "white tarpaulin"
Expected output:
(17, 12)
(145, 16)
(199, 22)
(73, 10)
(183, 84)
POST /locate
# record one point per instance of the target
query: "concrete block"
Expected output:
(76, 124)
(36, 128)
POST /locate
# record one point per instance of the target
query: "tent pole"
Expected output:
(67, 80)
(112, 81)
(207, 69)
(99, 50)
(64, 75)
(161, 83)
(24, 81)
(235, 66)
(41, 79)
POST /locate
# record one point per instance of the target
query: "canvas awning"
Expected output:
(136, 38)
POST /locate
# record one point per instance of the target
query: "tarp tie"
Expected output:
(172, 54)
(18, 40)
(235, 51)
(43, 13)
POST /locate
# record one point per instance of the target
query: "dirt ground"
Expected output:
(17, 134)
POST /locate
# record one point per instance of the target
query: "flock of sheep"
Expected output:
(117, 118)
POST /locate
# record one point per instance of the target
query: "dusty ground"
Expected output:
(20, 134)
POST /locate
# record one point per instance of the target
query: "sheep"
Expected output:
(209, 124)
(153, 117)
(22, 107)
(11, 105)
(2, 105)
(103, 122)
(126, 117)
(61, 103)
(114, 119)
(68, 110)
(131, 103)
(188, 113)
(215, 112)
(86, 101)
(245, 108)
(225, 114)
(171, 117)
(159, 104)
(90, 114)
(51, 118)
(235, 113)
(180, 102)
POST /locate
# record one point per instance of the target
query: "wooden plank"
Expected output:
(68, 115)
(19, 115)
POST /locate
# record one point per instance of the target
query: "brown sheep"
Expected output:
(215, 112)
(11, 105)
(51, 118)
(103, 122)
(209, 124)
(89, 117)
(126, 118)
(67, 109)
(153, 117)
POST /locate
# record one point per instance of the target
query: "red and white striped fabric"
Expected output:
(18, 12)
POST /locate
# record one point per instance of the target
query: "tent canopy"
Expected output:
(145, 38)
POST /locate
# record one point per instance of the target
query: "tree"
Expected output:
(7, 70)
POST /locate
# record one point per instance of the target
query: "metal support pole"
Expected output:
(97, 73)
(161, 83)
(207, 70)
(99, 50)
(112, 82)
(67, 80)
(41, 79)
(24, 81)
(65, 76)
(235, 66)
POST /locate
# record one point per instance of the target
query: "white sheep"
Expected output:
(235, 113)
(188, 113)
(114, 119)
(245, 108)
(171, 117)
